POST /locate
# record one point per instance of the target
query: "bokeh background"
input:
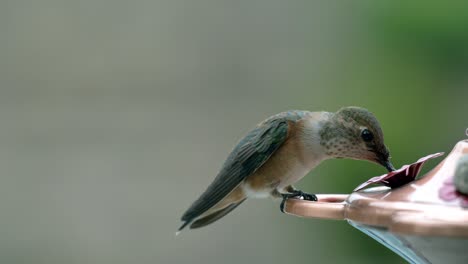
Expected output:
(115, 115)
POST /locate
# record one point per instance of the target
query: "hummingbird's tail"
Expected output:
(210, 218)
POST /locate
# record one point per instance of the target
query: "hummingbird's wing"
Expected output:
(249, 155)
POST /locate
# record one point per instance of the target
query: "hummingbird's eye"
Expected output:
(367, 135)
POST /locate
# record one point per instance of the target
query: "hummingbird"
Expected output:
(280, 151)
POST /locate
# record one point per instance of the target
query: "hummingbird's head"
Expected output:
(355, 133)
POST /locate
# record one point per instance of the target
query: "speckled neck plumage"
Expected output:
(336, 137)
(340, 134)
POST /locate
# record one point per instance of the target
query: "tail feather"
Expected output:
(206, 220)
(211, 218)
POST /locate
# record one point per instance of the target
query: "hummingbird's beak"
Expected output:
(388, 165)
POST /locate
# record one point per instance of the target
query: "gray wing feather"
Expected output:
(249, 155)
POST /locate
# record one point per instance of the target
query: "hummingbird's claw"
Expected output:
(282, 203)
(304, 195)
(297, 194)
(309, 197)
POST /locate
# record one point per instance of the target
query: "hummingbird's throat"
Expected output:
(342, 148)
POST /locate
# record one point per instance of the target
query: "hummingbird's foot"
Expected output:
(297, 194)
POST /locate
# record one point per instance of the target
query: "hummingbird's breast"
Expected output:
(291, 162)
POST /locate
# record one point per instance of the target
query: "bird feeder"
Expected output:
(423, 220)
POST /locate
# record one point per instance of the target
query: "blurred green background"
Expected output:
(115, 115)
